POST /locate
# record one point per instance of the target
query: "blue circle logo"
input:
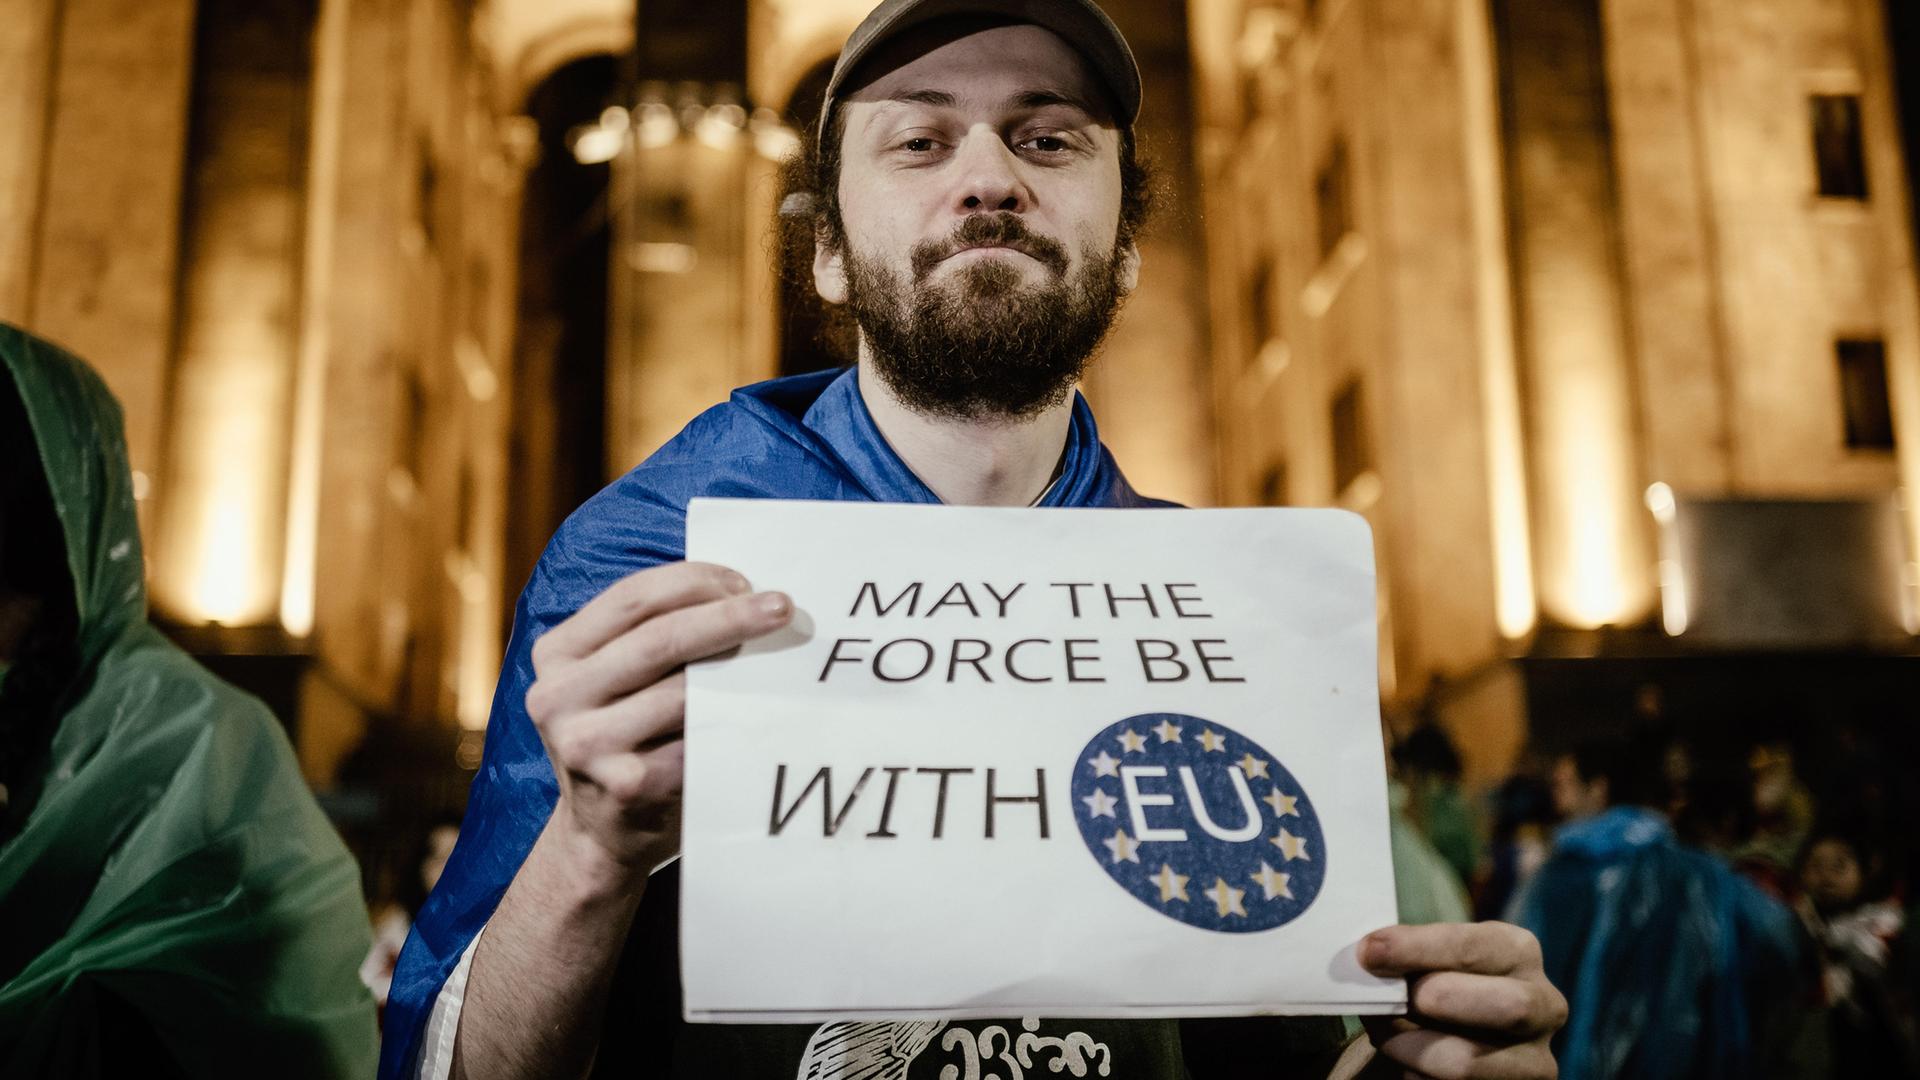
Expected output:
(1199, 823)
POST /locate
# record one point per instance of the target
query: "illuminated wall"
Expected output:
(1512, 278)
(292, 256)
(1592, 542)
(93, 139)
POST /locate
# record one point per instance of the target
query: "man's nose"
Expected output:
(988, 177)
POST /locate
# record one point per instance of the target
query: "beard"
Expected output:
(980, 345)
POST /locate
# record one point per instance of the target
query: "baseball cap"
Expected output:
(1080, 22)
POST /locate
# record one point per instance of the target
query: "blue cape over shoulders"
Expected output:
(804, 437)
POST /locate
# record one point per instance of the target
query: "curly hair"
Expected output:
(808, 211)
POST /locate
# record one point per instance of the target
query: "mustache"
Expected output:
(1003, 229)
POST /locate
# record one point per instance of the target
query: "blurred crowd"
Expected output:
(1708, 908)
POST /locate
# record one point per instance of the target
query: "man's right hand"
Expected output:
(609, 700)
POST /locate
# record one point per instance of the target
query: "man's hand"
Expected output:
(1479, 1006)
(609, 700)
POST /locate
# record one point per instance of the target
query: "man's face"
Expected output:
(1573, 796)
(980, 195)
(1832, 875)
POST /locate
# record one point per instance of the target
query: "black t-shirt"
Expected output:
(644, 1035)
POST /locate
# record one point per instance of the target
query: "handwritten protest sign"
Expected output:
(1067, 763)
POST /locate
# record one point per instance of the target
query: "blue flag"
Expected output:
(804, 437)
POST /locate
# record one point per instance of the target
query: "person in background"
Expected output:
(1427, 763)
(1672, 964)
(1860, 933)
(426, 858)
(1581, 778)
(1783, 805)
(1426, 888)
(172, 901)
(1523, 821)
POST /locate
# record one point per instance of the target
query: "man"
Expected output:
(172, 901)
(974, 197)
(1676, 967)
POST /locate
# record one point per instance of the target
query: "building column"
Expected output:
(103, 250)
(222, 533)
(1592, 545)
(1899, 302)
(26, 66)
(1672, 275)
(1151, 387)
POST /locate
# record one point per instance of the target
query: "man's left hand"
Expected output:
(1478, 1006)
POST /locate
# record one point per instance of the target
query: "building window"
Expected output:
(1273, 485)
(1863, 393)
(1263, 312)
(413, 427)
(1838, 152)
(1333, 197)
(1352, 451)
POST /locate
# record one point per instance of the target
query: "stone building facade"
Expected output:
(1536, 288)
(1542, 290)
(285, 233)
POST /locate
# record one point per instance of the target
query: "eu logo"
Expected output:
(1199, 823)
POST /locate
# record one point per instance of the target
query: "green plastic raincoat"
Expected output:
(173, 903)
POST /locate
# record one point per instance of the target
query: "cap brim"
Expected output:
(1081, 24)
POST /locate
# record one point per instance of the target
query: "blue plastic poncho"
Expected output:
(805, 437)
(1670, 961)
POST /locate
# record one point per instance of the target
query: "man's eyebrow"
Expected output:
(1030, 99)
(937, 98)
(1040, 99)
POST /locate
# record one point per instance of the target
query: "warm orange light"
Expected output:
(478, 661)
(309, 390)
(1515, 604)
(1593, 582)
(1674, 611)
(228, 583)
(221, 538)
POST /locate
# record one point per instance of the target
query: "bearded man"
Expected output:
(975, 195)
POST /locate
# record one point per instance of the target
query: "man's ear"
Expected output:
(829, 269)
(1129, 268)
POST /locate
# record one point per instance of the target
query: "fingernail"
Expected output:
(773, 605)
(737, 584)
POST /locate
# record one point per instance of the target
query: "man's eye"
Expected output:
(918, 145)
(1048, 144)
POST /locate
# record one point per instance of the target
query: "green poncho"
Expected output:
(173, 902)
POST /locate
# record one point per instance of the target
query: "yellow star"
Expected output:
(1253, 767)
(1211, 741)
(1132, 742)
(1293, 847)
(1099, 804)
(1172, 886)
(1105, 765)
(1273, 881)
(1226, 899)
(1125, 848)
(1282, 804)
(1168, 731)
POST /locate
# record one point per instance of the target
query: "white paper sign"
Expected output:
(1064, 763)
